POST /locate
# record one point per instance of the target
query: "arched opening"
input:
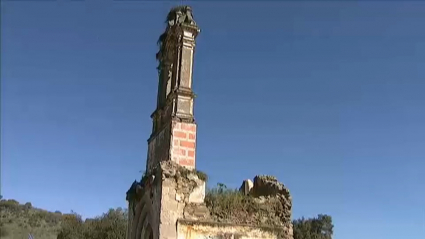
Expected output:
(149, 232)
(142, 218)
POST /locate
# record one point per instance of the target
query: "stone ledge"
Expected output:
(226, 224)
(210, 229)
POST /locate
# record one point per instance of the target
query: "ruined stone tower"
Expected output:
(174, 130)
(173, 137)
(169, 202)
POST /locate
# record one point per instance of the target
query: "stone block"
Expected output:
(198, 193)
(246, 187)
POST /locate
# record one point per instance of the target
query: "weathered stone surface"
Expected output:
(246, 187)
(268, 186)
(196, 212)
(207, 229)
(198, 193)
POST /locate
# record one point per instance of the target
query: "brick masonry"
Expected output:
(183, 146)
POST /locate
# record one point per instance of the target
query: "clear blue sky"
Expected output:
(327, 96)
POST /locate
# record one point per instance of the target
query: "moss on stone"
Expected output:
(201, 175)
(185, 172)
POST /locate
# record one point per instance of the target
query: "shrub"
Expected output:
(4, 232)
(28, 205)
(228, 203)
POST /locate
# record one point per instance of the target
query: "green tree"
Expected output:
(4, 232)
(72, 227)
(313, 228)
(111, 225)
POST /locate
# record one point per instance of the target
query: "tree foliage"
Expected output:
(17, 220)
(111, 225)
(313, 228)
(72, 227)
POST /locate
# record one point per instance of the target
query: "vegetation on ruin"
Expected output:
(185, 172)
(231, 205)
(18, 220)
(181, 171)
(226, 204)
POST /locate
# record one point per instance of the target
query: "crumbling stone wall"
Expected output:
(160, 199)
(181, 196)
(264, 202)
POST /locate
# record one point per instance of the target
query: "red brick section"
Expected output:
(180, 134)
(184, 144)
(191, 153)
(187, 144)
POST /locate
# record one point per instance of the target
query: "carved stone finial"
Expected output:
(181, 15)
(178, 16)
